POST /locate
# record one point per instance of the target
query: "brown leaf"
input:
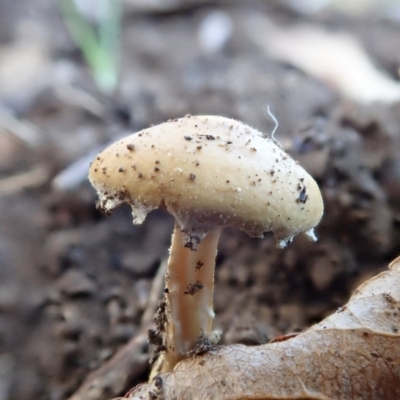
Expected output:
(352, 354)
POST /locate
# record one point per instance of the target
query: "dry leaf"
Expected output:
(353, 354)
(337, 59)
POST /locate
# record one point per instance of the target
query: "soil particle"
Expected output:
(155, 338)
(193, 288)
(303, 197)
(191, 241)
(202, 345)
(161, 316)
(199, 264)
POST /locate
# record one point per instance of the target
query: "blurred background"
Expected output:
(76, 75)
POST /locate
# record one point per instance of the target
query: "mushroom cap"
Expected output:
(209, 171)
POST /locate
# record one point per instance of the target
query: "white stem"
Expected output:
(190, 283)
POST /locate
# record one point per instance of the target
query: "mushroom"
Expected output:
(208, 172)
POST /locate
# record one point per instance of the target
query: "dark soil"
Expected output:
(74, 284)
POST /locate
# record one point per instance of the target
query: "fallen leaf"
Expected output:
(336, 58)
(352, 354)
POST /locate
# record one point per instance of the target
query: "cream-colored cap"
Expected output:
(209, 171)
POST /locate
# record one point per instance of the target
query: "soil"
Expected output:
(74, 284)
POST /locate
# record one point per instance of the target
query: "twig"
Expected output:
(34, 177)
(75, 173)
(80, 99)
(24, 130)
(155, 294)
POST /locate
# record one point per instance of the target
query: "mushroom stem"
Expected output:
(189, 283)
